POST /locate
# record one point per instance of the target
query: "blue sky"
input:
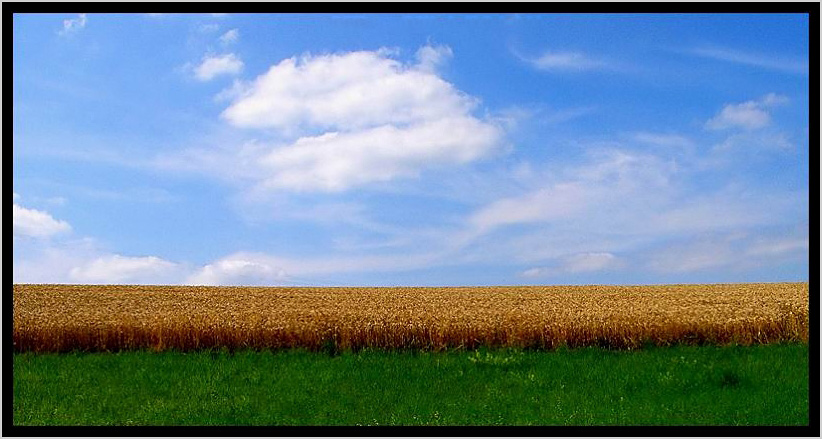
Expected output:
(251, 149)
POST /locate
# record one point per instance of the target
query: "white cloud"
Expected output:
(338, 161)
(430, 58)
(15, 197)
(249, 268)
(237, 89)
(345, 92)
(35, 223)
(757, 60)
(113, 269)
(84, 260)
(750, 115)
(566, 61)
(536, 272)
(74, 24)
(359, 117)
(239, 270)
(41, 261)
(576, 263)
(586, 262)
(230, 37)
(219, 15)
(216, 65)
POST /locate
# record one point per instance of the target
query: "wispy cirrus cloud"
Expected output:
(559, 61)
(665, 140)
(733, 251)
(209, 27)
(779, 246)
(609, 175)
(564, 61)
(624, 201)
(771, 62)
(557, 201)
(758, 141)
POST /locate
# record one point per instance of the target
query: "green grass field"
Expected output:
(706, 385)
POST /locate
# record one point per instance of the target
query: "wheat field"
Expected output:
(59, 318)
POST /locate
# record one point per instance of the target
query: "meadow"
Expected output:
(765, 385)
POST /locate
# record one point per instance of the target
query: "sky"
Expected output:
(422, 150)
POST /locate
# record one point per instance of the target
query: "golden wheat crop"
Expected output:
(67, 317)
